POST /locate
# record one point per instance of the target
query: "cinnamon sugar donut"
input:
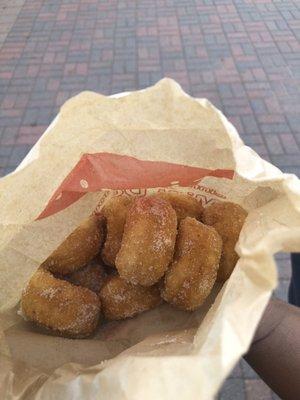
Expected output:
(56, 304)
(148, 241)
(121, 299)
(192, 274)
(80, 247)
(227, 218)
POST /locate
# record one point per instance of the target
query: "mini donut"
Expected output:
(227, 218)
(114, 211)
(65, 309)
(183, 204)
(91, 276)
(121, 299)
(148, 241)
(192, 274)
(80, 247)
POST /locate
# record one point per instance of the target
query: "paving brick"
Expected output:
(8, 135)
(3, 162)
(257, 390)
(247, 371)
(250, 124)
(270, 118)
(283, 263)
(251, 140)
(258, 106)
(233, 389)
(7, 170)
(294, 122)
(28, 139)
(291, 170)
(5, 151)
(289, 144)
(225, 90)
(10, 121)
(53, 84)
(30, 116)
(274, 128)
(274, 144)
(286, 160)
(261, 150)
(17, 155)
(281, 291)
(237, 371)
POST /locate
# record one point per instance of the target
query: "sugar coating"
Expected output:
(228, 219)
(121, 299)
(60, 306)
(141, 236)
(192, 274)
(148, 241)
(50, 292)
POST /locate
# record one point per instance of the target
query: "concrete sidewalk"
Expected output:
(243, 55)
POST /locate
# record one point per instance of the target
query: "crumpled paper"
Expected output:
(164, 353)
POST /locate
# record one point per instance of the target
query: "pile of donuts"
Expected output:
(133, 255)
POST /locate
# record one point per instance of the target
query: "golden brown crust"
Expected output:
(115, 212)
(80, 247)
(91, 276)
(227, 218)
(121, 299)
(148, 241)
(183, 204)
(66, 309)
(191, 276)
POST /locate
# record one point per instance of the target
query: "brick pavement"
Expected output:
(9, 10)
(244, 55)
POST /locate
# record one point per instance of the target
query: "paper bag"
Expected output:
(138, 143)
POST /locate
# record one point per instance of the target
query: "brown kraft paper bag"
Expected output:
(137, 143)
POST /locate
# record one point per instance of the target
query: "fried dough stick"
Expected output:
(148, 241)
(191, 276)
